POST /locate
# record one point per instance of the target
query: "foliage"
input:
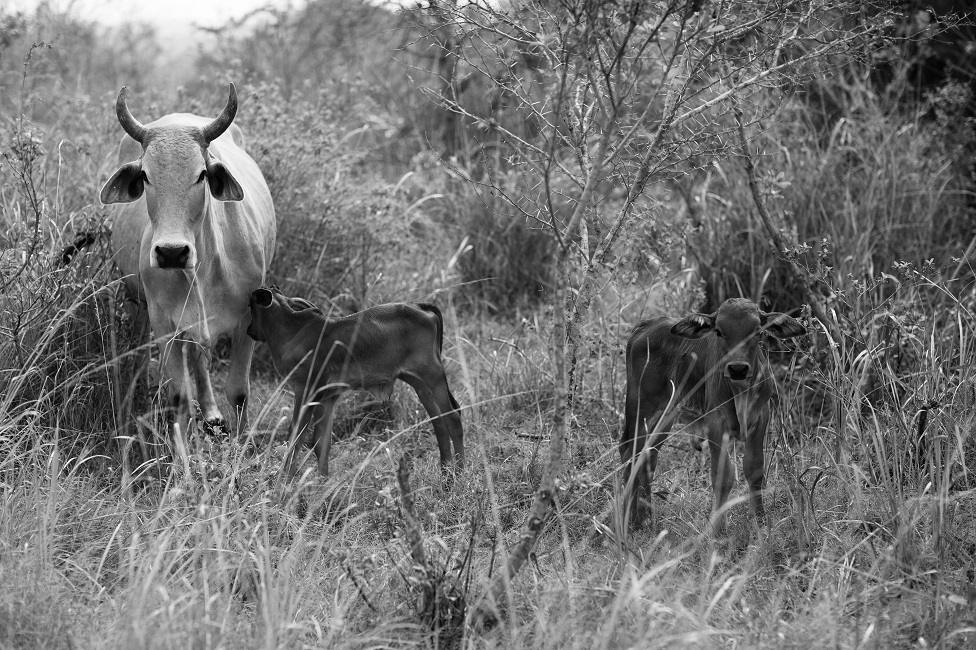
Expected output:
(314, 45)
(69, 58)
(594, 182)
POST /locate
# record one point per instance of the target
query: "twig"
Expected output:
(488, 610)
(24, 170)
(359, 588)
(411, 526)
(780, 245)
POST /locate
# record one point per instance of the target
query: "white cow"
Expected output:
(194, 233)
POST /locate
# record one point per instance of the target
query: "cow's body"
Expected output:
(323, 358)
(713, 367)
(192, 251)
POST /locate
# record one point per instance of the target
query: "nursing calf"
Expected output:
(370, 350)
(713, 366)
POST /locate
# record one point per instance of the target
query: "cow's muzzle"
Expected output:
(172, 257)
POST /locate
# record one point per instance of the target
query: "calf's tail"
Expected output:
(439, 318)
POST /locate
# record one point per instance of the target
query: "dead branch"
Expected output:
(411, 525)
(780, 245)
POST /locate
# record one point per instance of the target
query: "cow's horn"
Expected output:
(213, 130)
(131, 125)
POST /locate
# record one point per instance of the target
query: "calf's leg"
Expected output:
(435, 395)
(753, 462)
(752, 467)
(638, 411)
(301, 417)
(322, 432)
(238, 375)
(719, 443)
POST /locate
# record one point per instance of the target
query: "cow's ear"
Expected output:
(125, 186)
(263, 297)
(781, 326)
(694, 326)
(223, 185)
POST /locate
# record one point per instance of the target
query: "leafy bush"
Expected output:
(880, 186)
(505, 258)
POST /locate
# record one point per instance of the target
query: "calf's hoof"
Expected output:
(640, 513)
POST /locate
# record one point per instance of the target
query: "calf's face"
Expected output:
(272, 312)
(738, 325)
(263, 314)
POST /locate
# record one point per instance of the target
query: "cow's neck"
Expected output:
(209, 243)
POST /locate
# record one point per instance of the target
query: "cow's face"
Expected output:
(738, 326)
(174, 173)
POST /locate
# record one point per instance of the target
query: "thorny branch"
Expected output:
(411, 526)
(780, 245)
(23, 169)
(681, 88)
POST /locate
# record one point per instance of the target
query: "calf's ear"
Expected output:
(262, 297)
(300, 304)
(781, 326)
(125, 186)
(694, 326)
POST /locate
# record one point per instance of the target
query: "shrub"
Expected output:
(505, 257)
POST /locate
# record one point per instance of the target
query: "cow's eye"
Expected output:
(719, 333)
(203, 175)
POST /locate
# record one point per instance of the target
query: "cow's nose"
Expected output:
(738, 371)
(172, 257)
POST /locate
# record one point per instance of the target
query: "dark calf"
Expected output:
(370, 350)
(715, 367)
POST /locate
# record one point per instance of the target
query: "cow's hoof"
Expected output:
(215, 427)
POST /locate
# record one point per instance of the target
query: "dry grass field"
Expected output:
(119, 529)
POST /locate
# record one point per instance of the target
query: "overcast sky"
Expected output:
(167, 15)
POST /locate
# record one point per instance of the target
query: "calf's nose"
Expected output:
(738, 371)
(172, 257)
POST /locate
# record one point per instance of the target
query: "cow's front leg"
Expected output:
(238, 375)
(198, 360)
(174, 380)
(137, 314)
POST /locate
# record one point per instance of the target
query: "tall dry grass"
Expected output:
(183, 541)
